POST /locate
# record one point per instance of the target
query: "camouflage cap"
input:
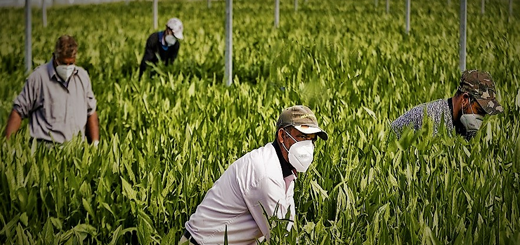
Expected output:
(481, 87)
(301, 118)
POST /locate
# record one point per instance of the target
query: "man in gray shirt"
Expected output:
(464, 112)
(58, 99)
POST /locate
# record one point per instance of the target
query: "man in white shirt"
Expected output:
(262, 179)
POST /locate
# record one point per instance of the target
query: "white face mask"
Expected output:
(300, 154)
(170, 40)
(65, 71)
(471, 122)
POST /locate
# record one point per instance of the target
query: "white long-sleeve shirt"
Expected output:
(236, 197)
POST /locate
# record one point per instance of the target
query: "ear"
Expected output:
(465, 99)
(54, 60)
(279, 135)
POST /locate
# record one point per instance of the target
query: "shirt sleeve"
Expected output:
(91, 99)
(175, 52)
(290, 200)
(26, 102)
(268, 195)
(148, 54)
(411, 118)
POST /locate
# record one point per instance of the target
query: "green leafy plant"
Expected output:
(166, 139)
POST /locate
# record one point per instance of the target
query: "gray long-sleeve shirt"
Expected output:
(56, 110)
(436, 111)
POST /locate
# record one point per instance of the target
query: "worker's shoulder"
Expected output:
(260, 165)
(38, 76)
(81, 71)
(264, 161)
(154, 37)
(39, 71)
(264, 153)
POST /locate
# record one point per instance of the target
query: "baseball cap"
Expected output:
(481, 86)
(176, 26)
(301, 118)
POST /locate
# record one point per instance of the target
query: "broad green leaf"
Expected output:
(128, 191)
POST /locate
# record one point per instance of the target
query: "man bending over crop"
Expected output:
(163, 45)
(58, 99)
(261, 179)
(464, 112)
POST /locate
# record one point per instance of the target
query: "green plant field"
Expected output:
(166, 139)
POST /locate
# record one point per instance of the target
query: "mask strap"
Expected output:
(462, 105)
(290, 135)
(471, 108)
(285, 147)
(469, 104)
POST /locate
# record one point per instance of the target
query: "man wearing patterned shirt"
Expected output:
(262, 179)
(464, 112)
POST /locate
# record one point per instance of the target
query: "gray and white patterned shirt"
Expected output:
(436, 110)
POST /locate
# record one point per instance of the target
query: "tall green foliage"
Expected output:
(166, 139)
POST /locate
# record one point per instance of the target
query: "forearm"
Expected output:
(92, 129)
(264, 201)
(147, 57)
(13, 123)
(142, 68)
(173, 57)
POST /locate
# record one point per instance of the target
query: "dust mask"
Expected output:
(170, 40)
(300, 154)
(471, 122)
(65, 71)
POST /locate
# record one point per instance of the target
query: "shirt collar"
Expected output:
(450, 105)
(53, 74)
(287, 169)
(459, 128)
(51, 70)
(161, 40)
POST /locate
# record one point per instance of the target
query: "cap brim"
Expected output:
(491, 106)
(312, 130)
(178, 35)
